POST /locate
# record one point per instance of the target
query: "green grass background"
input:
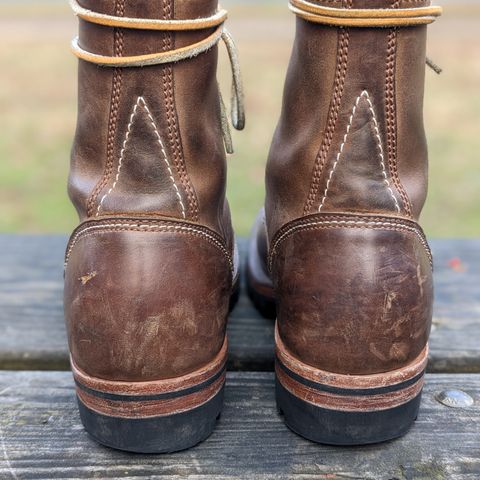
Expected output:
(38, 109)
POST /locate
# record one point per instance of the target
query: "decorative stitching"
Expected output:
(177, 191)
(372, 224)
(114, 111)
(125, 141)
(145, 226)
(340, 75)
(141, 102)
(172, 128)
(390, 113)
(365, 95)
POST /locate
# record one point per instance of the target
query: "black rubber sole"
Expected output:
(162, 434)
(334, 427)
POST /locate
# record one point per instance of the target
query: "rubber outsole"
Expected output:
(156, 416)
(333, 427)
(341, 409)
(162, 434)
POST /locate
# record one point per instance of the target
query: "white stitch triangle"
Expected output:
(381, 154)
(140, 103)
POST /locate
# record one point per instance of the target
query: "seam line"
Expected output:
(349, 224)
(129, 226)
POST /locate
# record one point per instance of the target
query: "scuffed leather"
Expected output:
(155, 306)
(353, 300)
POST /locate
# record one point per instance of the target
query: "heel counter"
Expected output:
(146, 299)
(354, 293)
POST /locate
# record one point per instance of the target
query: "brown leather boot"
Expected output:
(151, 269)
(350, 268)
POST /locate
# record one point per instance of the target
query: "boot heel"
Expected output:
(347, 409)
(152, 417)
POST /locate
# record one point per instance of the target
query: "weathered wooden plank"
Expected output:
(31, 310)
(31, 317)
(41, 437)
(455, 340)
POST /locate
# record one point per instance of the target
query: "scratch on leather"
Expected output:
(86, 278)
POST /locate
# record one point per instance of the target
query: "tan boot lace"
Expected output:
(364, 17)
(172, 56)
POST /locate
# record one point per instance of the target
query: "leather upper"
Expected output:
(354, 293)
(330, 69)
(131, 113)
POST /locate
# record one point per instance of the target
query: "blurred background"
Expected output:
(38, 112)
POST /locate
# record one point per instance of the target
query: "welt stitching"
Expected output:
(330, 224)
(172, 127)
(391, 121)
(339, 84)
(114, 110)
(141, 102)
(131, 227)
(381, 155)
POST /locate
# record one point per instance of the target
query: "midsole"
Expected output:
(349, 392)
(154, 398)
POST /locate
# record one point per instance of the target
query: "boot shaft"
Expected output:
(149, 139)
(351, 127)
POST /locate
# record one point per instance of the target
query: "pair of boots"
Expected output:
(337, 256)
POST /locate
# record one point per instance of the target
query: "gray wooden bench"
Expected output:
(41, 435)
